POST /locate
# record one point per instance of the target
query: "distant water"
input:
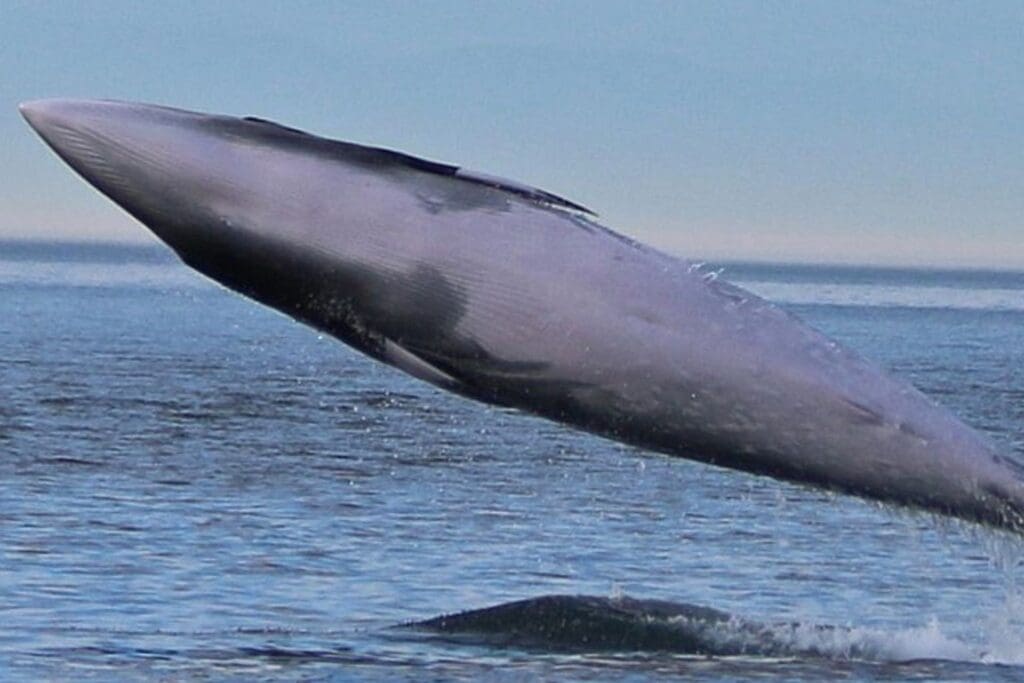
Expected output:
(194, 487)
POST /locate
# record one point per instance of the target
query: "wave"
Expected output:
(887, 295)
(590, 624)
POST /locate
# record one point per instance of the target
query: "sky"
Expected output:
(882, 133)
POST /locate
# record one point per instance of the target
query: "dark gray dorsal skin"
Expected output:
(505, 294)
(581, 622)
(584, 623)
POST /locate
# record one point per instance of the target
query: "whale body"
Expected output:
(595, 624)
(514, 296)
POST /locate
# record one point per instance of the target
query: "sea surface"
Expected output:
(193, 487)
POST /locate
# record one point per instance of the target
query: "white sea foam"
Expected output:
(903, 645)
(1001, 642)
(885, 295)
(997, 638)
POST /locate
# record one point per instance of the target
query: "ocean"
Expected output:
(193, 487)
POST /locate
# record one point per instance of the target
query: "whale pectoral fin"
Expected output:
(407, 361)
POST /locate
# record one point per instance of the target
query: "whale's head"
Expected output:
(237, 199)
(183, 174)
(269, 211)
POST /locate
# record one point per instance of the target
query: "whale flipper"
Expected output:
(409, 362)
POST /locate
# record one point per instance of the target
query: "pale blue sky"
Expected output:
(827, 131)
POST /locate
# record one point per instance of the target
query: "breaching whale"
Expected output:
(514, 296)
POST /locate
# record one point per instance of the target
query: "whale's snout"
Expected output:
(38, 112)
(102, 141)
(41, 113)
(60, 122)
(31, 111)
(162, 165)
